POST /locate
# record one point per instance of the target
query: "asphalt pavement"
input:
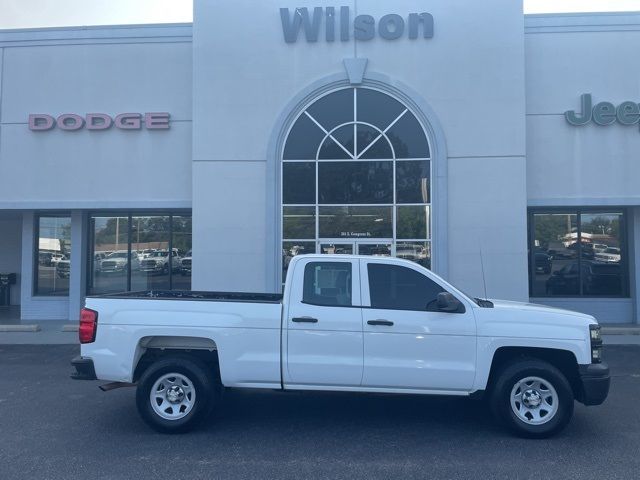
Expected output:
(52, 427)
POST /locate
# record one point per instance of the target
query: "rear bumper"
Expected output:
(595, 380)
(84, 369)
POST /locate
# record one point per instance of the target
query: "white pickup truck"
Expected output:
(344, 323)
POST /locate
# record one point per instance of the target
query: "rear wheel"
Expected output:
(532, 398)
(176, 393)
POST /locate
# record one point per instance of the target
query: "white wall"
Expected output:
(471, 74)
(55, 73)
(567, 56)
(10, 248)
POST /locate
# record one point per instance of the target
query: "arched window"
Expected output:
(356, 179)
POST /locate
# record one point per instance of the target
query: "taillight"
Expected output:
(88, 325)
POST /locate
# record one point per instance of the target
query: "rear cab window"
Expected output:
(328, 284)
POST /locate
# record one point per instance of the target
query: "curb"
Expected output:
(19, 328)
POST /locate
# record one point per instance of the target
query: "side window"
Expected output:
(327, 283)
(400, 288)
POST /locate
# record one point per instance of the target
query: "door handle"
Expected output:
(385, 323)
(304, 320)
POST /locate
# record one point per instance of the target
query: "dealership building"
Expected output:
(498, 149)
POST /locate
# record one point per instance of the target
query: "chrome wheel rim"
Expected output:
(172, 396)
(534, 400)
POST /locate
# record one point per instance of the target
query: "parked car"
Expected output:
(565, 281)
(185, 264)
(357, 324)
(158, 262)
(603, 279)
(609, 255)
(117, 262)
(63, 268)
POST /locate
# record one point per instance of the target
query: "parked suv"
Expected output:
(158, 262)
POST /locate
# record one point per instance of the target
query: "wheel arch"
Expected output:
(563, 359)
(152, 348)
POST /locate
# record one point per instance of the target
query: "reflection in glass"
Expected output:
(300, 179)
(412, 181)
(299, 223)
(341, 148)
(290, 250)
(377, 108)
(408, 138)
(375, 249)
(333, 109)
(556, 255)
(356, 222)
(601, 247)
(159, 259)
(371, 145)
(303, 141)
(110, 262)
(355, 182)
(419, 252)
(150, 244)
(54, 256)
(336, 248)
(354, 137)
(413, 222)
(182, 243)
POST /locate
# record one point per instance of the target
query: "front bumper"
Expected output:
(84, 369)
(595, 380)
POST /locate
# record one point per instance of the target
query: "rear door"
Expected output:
(408, 344)
(323, 343)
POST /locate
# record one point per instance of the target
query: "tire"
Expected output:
(542, 384)
(193, 388)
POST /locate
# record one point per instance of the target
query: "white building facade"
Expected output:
(494, 148)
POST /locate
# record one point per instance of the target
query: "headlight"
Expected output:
(595, 333)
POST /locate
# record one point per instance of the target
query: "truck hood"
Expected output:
(535, 308)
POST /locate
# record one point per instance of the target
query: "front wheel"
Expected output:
(175, 394)
(533, 399)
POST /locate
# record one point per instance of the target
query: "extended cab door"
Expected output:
(408, 343)
(324, 324)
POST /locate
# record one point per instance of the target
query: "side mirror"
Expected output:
(448, 303)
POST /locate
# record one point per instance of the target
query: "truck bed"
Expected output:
(192, 295)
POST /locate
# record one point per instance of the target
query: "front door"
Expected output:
(408, 343)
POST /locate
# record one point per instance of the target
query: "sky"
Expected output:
(58, 13)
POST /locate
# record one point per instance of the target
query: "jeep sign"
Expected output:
(39, 122)
(604, 113)
(364, 27)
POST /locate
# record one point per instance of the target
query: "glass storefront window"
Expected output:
(139, 252)
(356, 222)
(577, 253)
(182, 243)
(150, 243)
(356, 167)
(53, 255)
(110, 256)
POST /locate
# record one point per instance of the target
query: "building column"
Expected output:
(78, 274)
(634, 261)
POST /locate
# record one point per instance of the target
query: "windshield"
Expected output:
(117, 255)
(158, 254)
